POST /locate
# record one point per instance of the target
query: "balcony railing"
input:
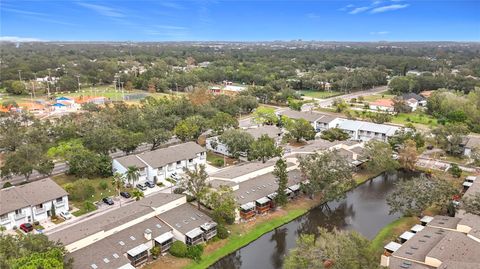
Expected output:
(39, 210)
(4, 220)
(59, 204)
(19, 216)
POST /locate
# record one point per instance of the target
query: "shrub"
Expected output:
(178, 249)
(88, 206)
(222, 232)
(195, 252)
(190, 198)
(80, 190)
(455, 170)
(218, 162)
(178, 190)
(155, 251)
(7, 185)
(103, 185)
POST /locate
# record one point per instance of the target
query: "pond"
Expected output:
(364, 209)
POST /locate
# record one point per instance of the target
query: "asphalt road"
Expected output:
(328, 101)
(61, 168)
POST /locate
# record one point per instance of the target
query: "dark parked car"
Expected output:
(26, 227)
(141, 186)
(150, 184)
(125, 194)
(108, 201)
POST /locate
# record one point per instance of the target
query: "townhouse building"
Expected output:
(123, 237)
(158, 165)
(214, 144)
(31, 202)
(319, 121)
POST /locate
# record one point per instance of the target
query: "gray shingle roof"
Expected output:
(112, 219)
(131, 160)
(421, 244)
(118, 243)
(33, 193)
(293, 114)
(261, 186)
(244, 169)
(445, 222)
(184, 218)
(456, 246)
(270, 130)
(164, 156)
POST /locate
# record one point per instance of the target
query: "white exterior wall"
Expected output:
(369, 135)
(31, 214)
(220, 148)
(86, 241)
(467, 152)
(382, 108)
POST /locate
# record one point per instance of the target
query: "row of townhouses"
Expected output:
(214, 144)
(158, 165)
(123, 237)
(31, 202)
(439, 242)
(357, 130)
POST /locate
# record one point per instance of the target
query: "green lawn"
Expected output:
(106, 91)
(415, 118)
(375, 97)
(63, 179)
(319, 94)
(238, 240)
(391, 232)
(214, 159)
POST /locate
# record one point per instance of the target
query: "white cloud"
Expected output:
(388, 8)
(170, 27)
(171, 5)
(359, 10)
(380, 33)
(350, 5)
(24, 12)
(103, 10)
(19, 39)
(313, 16)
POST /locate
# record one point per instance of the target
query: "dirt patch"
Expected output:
(168, 261)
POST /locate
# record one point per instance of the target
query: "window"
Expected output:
(59, 200)
(190, 160)
(179, 162)
(40, 206)
(18, 212)
(4, 217)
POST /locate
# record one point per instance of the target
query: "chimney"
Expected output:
(148, 234)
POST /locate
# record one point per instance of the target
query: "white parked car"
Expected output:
(65, 215)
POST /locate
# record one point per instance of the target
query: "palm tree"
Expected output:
(132, 175)
(137, 194)
(117, 181)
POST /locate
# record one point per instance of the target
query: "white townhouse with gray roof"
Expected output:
(160, 164)
(31, 202)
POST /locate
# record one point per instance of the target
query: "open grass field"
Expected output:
(319, 94)
(391, 232)
(105, 91)
(415, 118)
(375, 97)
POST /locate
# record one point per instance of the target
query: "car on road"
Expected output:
(141, 186)
(65, 215)
(125, 194)
(26, 227)
(108, 200)
(150, 184)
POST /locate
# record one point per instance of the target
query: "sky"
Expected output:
(239, 20)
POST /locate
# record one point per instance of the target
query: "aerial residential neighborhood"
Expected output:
(239, 134)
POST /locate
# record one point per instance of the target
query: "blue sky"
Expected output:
(230, 20)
